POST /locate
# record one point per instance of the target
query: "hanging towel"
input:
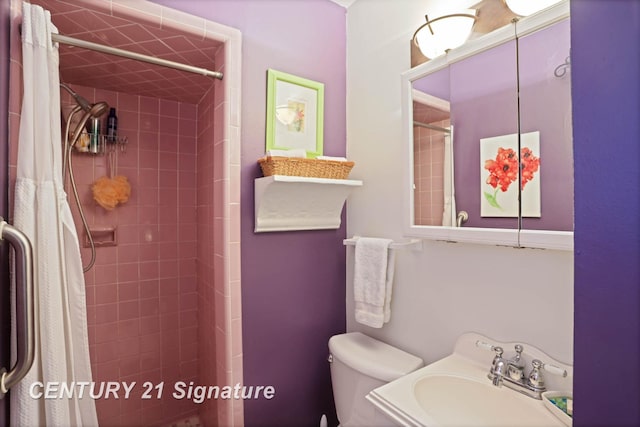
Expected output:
(373, 280)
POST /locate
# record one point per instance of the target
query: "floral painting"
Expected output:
(504, 170)
(298, 109)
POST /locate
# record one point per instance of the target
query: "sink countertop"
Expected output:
(398, 400)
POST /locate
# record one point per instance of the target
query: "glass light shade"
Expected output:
(285, 114)
(527, 7)
(444, 33)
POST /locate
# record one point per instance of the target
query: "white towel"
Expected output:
(335, 159)
(373, 281)
(296, 152)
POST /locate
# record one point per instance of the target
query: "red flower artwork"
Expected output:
(529, 165)
(503, 170)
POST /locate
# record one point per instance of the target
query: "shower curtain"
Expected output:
(43, 214)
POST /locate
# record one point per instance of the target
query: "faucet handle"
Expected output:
(498, 367)
(516, 365)
(498, 364)
(536, 379)
(519, 350)
(517, 359)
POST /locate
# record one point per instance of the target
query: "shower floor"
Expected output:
(193, 421)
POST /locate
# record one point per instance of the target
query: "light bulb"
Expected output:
(527, 7)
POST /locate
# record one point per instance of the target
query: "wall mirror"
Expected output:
(488, 138)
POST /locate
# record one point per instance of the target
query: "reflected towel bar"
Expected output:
(413, 244)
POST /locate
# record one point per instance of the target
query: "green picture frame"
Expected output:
(295, 113)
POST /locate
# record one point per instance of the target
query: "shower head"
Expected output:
(98, 109)
(80, 100)
(95, 110)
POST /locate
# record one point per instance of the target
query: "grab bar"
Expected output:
(413, 244)
(24, 306)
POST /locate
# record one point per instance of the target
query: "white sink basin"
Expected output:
(459, 401)
(455, 391)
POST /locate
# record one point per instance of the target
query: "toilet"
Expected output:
(359, 364)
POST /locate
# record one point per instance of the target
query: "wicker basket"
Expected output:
(315, 168)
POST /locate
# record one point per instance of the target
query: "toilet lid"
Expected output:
(372, 357)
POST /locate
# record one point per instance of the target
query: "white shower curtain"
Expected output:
(43, 214)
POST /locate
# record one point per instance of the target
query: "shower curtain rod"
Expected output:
(132, 55)
(432, 127)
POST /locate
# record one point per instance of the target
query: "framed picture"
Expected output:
(506, 175)
(295, 113)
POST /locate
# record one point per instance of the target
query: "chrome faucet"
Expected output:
(498, 368)
(511, 372)
(515, 366)
(536, 379)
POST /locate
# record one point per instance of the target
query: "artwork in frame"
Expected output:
(499, 177)
(295, 113)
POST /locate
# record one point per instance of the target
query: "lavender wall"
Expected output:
(292, 283)
(606, 107)
(483, 104)
(545, 106)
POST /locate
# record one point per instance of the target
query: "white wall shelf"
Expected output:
(287, 203)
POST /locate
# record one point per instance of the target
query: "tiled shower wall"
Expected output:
(429, 173)
(142, 296)
(206, 252)
(218, 260)
(178, 316)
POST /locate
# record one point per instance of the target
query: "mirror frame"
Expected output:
(545, 239)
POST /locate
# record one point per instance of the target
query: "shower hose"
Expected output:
(68, 148)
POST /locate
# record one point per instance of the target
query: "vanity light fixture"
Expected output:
(285, 114)
(527, 7)
(440, 34)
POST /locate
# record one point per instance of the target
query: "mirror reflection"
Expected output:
(545, 107)
(431, 137)
(492, 135)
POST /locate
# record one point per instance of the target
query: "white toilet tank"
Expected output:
(359, 364)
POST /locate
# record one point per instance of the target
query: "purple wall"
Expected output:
(293, 289)
(484, 104)
(437, 84)
(606, 129)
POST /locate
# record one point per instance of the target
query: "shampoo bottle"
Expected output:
(94, 136)
(112, 126)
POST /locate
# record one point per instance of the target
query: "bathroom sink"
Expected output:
(455, 391)
(460, 401)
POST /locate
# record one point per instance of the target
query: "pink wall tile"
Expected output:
(136, 308)
(428, 171)
(150, 306)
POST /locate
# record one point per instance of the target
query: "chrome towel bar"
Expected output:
(413, 244)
